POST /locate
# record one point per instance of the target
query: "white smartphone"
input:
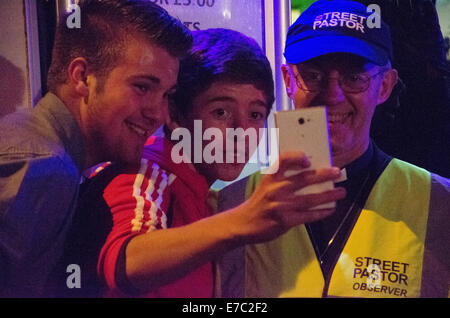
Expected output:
(306, 130)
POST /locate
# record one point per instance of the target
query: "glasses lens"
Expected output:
(353, 83)
(312, 80)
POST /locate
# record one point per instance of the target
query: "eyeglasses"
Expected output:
(315, 81)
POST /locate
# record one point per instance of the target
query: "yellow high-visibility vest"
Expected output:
(382, 257)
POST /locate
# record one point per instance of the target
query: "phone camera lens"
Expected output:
(301, 121)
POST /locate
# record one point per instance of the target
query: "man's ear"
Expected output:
(77, 73)
(390, 79)
(285, 69)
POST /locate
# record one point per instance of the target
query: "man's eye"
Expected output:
(312, 76)
(220, 113)
(355, 78)
(142, 88)
(256, 115)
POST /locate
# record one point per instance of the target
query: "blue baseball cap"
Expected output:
(338, 26)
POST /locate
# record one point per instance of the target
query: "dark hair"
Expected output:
(222, 55)
(105, 27)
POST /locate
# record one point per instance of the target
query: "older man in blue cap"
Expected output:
(389, 236)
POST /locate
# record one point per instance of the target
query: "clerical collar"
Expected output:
(357, 166)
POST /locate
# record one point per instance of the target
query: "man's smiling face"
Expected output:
(349, 113)
(131, 103)
(228, 106)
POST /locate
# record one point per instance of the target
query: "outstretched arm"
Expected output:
(159, 257)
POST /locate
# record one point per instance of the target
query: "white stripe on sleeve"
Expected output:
(138, 211)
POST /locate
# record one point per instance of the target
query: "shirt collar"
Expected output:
(65, 126)
(357, 166)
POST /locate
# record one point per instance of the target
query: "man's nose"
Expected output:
(236, 127)
(241, 121)
(332, 93)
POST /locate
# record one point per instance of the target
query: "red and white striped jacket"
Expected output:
(157, 195)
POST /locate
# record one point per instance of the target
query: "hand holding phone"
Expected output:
(306, 130)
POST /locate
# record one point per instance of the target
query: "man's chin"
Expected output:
(231, 171)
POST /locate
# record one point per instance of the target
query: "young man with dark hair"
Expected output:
(109, 85)
(163, 239)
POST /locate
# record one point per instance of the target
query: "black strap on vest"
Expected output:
(335, 246)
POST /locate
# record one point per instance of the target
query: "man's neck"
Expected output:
(73, 102)
(345, 158)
